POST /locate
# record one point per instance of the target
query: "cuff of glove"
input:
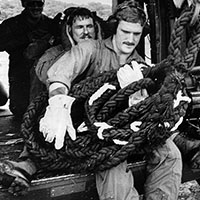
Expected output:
(61, 100)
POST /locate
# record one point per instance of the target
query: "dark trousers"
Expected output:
(22, 92)
(19, 96)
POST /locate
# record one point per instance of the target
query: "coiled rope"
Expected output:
(89, 153)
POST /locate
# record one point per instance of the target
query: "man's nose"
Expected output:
(131, 38)
(85, 30)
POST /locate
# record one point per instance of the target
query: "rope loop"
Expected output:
(158, 114)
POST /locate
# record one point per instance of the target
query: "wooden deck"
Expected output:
(70, 187)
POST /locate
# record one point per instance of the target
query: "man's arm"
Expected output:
(72, 64)
(60, 76)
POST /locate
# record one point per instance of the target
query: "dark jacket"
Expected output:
(16, 34)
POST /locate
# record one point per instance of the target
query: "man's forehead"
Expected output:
(130, 26)
(83, 19)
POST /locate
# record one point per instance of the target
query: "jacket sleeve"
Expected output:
(73, 63)
(45, 62)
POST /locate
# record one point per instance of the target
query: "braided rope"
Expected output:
(88, 152)
(189, 56)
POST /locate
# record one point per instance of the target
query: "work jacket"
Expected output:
(85, 59)
(52, 54)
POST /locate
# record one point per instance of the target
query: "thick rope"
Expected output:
(88, 152)
(189, 56)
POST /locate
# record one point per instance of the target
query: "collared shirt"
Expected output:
(86, 59)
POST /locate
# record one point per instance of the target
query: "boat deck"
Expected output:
(70, 187)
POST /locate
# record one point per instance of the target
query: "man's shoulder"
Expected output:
(45, 17)
(12, 19)
(91, 43)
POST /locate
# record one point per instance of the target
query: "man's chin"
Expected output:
(86, 38)
(128, 49)
(36, 14)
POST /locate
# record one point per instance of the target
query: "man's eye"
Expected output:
(125, 31)
(90, 26)
(79, 27)
(137, 34)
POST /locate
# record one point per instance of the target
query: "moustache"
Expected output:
(129, 43)
(86, 36)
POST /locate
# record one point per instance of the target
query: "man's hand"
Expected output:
(128, 74)
(57, 120)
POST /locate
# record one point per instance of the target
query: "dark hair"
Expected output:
(68, 12)
(79, 12)
(23, 1)
(129, 11)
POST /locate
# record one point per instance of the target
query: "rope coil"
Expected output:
(88, 153)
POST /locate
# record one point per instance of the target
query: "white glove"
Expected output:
(126, 75)
(57, 120)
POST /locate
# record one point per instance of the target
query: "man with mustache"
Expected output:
(164, 169)
(17, 36)
(91, 57)
(79, 24)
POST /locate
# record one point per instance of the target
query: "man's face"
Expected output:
(127, 37)
(34, 7)
(83, 29)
